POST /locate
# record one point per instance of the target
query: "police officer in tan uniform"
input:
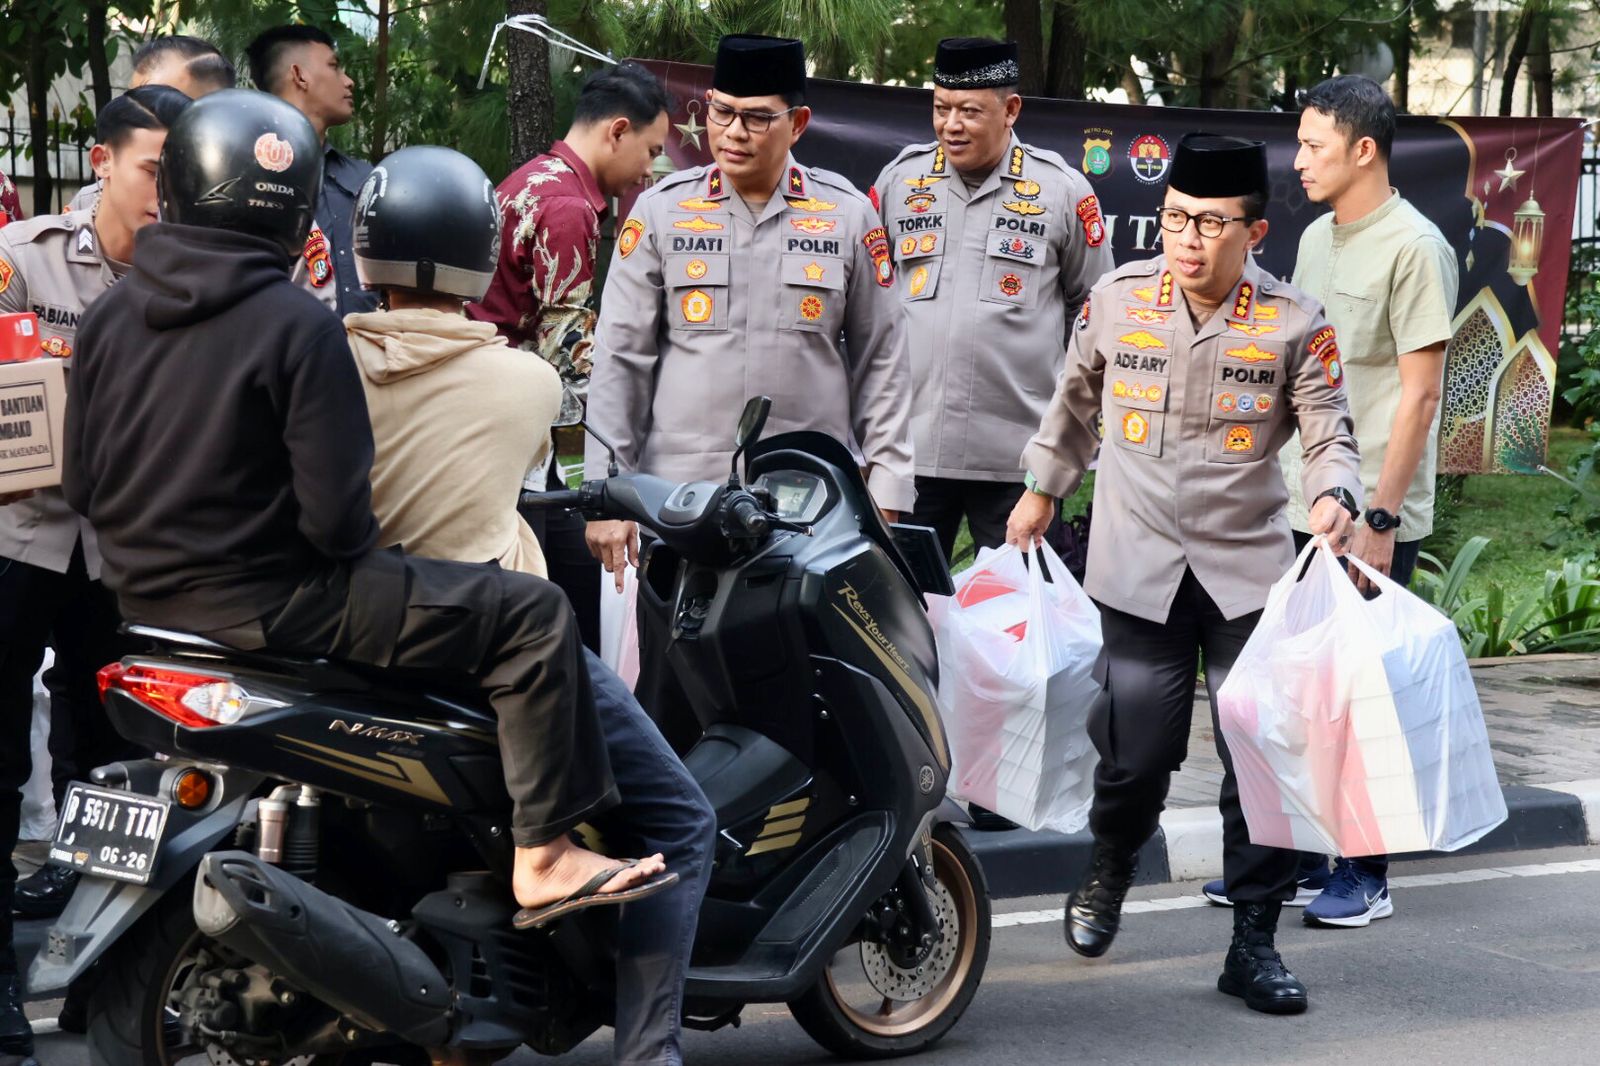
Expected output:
(50, 592)
(996, 245)
(754, 275)
(1199, 366)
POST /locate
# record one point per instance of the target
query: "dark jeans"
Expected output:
(572, 568)
(943, 502)
(661, 809)
(1400, 570)
(78, 617)
(1141, 730)
(510, 634)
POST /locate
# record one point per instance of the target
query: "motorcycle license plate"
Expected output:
(109, 833)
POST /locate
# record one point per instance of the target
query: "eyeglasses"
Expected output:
(1175, 220)
(754, 121)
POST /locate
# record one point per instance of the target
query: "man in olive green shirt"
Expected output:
(1387, 280)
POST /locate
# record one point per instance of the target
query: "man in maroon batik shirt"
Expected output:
(541, 298)
(10, 204)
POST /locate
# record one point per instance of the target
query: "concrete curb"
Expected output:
(1188, 846)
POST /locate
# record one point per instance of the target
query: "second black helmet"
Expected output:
(427, 220)
(244, 161)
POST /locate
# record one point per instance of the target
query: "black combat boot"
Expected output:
(1253, 969)
(16, 1035)
(44, 893)
(1094, 911)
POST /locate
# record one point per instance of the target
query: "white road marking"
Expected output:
(1178, 903)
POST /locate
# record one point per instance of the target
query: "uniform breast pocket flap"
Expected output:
(1233, 440)
(919, 280)
(691, 270)
(1006, 281)
(913, 242)
(1134, 430)
(697, 291)
(813, 272)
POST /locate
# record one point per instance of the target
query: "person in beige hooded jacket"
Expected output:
(441, 385)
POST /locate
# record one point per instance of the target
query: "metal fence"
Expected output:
(1586, 219)
(68, 161)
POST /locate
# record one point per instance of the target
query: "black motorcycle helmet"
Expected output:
(427, 220)
(243, 161)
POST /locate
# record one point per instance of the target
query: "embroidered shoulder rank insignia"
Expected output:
(714, 182)
(797, 182)
(1015, 169)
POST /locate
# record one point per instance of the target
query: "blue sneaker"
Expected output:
(1353, 898)
(1310, 883)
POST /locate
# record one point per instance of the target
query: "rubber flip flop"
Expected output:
(589, 895)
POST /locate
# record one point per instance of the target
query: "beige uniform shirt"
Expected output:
(1388, 282)
(51, 265)
(990, 279)
(708, 304)
(1193, 422)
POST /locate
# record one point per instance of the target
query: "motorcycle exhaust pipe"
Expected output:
(355, 962)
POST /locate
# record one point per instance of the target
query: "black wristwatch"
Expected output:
(1382, 520)
(1344, 498)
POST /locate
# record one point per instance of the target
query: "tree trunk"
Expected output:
(1243, 86)
(1131, 84)
(99, 66)
(1540, 71)
(530, 102)
(1024, 21)
(1402, 64)
(1519, 49)
(38, 80)
(380, 87)
(1066, 72)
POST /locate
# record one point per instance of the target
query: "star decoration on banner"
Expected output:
(1509, 174)
(691, 130)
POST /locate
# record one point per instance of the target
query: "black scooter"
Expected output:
(319, 867)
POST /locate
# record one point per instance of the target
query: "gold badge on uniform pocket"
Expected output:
(919, 280)
(696, 269)
(1239, 439)
(811, 308)
(814, 271)
(1010, 284)
(1135, 428)
(928, 241)
(697, 306)
(1021, 207)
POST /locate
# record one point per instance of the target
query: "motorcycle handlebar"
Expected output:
(563, 498)
(747, 517)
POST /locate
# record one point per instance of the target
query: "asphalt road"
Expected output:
(1488, 959)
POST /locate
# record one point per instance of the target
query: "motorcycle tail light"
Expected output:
(193, 700)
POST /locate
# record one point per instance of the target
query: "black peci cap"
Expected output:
(975, 63)
(749, 64)
(1208, 165)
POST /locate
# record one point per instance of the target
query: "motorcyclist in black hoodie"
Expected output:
(218, 440)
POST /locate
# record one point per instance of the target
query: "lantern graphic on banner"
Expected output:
(1527, 241)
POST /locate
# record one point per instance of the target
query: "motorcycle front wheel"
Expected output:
(868, 1006)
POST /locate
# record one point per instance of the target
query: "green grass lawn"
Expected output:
(1514, 512)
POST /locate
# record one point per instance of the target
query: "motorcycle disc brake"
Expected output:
(907, 984)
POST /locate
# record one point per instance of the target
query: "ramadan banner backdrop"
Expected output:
(1501, 190)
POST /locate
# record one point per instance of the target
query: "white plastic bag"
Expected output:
(619, 625)
(1353, 724)
(1016, 655)
(38, 800)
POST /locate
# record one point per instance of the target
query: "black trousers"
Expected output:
(510, 635)
(40, 608)
(943, 502)
(1141, 730)
(572, 568)
(1400, 569)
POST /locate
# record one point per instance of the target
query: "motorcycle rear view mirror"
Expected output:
(751, 422)
(611, 449)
